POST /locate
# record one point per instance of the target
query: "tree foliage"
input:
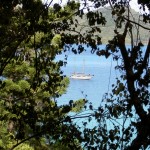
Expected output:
(130, 96)
(31, 78)
(32, 34)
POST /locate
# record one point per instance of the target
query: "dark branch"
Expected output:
(33, 136)
(141, 138)
(121, 45)
(145, 61)
(146, 28)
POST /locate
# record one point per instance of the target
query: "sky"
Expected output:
(133, 3)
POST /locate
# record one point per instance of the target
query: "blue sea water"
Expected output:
(104, 76)
(93, 90)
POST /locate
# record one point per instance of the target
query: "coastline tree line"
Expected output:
(32, 34)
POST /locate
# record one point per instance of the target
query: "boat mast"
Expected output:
(75, 66)
(83, 66)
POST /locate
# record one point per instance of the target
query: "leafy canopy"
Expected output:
(32, 34)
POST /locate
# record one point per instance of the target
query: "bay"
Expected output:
(104, 75)
(93, 90)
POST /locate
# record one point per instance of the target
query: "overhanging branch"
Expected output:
(144, 63)
(33, 136)
(146, 28)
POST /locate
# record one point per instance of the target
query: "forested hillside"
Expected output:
(107, 31)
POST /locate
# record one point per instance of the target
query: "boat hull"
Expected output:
(81, 77)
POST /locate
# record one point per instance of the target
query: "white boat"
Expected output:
(81, 76)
